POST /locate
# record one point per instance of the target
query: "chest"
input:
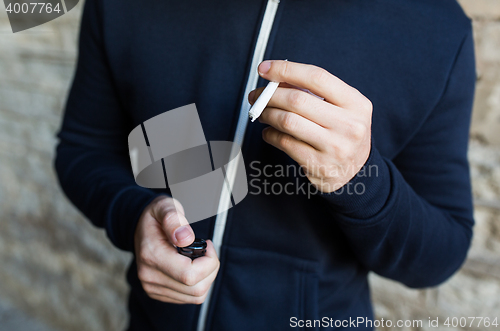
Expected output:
(197, 52)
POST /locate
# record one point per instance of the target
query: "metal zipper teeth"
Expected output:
(225, 199)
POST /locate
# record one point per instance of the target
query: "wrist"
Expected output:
(366, 193)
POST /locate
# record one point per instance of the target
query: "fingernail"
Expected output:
(251, 96)
(264, 67)
(182, 233)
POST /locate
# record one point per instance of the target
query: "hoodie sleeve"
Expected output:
(413, 221)
(92, 161)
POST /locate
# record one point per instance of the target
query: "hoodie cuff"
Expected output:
(124, 213)
(366, 194)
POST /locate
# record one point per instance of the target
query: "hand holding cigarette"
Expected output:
(329, 138)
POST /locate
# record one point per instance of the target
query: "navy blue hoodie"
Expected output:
(283, 256)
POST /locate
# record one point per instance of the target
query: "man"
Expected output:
(396, 80)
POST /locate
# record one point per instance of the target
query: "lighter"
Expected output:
(197, 249)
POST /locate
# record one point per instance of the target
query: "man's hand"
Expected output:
(330, 138)
(165, 274)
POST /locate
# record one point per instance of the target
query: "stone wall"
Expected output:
(53, 264)
(56, 267)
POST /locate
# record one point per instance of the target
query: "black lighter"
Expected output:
(197, 249)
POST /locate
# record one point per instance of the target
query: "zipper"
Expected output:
(225, 199)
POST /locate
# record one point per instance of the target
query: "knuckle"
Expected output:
(170, 217)
(297, 98)
(199, 290)
(163, 207)
(143, 274)
(145, 258)
(366, 105)
(318, 166)
(358, 130)
(284, 141)
(353, 94)
(148, 289)
(288, 121)
(162, 202)
(329, 147)
(369, 105)
(320, 77)
(154, 257)
(284, 69)
(198, 300)
(342, 154)
(188, 278)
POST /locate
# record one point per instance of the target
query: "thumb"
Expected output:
(170, 214)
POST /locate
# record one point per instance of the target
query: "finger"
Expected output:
(296, 149)
(295, 125)
(304, 90)
(178, 206)
(176, 267)
(306, 105)
(253, 95)
(166, 299)
(169, 295)
(206, 264)
(154, 247)
(185, 271)
(170, 214)
(159, 254)
(159, 284)
(317, 80)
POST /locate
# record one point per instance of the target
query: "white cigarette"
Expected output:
(262, 101)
